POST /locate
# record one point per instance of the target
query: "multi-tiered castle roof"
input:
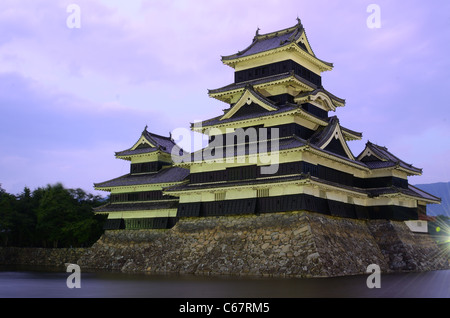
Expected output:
(279, 116)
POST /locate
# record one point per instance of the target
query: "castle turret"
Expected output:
(136, 199)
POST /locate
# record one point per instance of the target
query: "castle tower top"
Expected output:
(287, 44)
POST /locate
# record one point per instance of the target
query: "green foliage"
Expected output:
(7, 215)
(50, 217)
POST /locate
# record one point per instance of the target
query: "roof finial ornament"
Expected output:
(257, 31)
(299, 22)
(146, 126)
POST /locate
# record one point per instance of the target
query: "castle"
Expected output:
(277, 147)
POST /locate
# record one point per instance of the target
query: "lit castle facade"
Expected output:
(277, 147)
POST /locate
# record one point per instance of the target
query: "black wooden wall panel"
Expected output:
(298, 202)
(147, 167)
(114, 224)
(189, 209)
(139, 196)
(277, 68)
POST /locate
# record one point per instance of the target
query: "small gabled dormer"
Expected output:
(332, 138)
(250, 102)
(149, 154)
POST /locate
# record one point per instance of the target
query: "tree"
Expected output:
(86, 227)
(52, 216)
(52, 213)
(7, 211)
(25, 219)
(65, 217)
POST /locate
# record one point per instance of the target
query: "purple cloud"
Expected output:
(71, 97)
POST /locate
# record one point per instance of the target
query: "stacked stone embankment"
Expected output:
(46, 257)
(299, 244)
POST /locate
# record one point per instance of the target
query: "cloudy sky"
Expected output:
(71, 95)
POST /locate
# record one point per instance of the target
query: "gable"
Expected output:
(369, 156)
(321, 99)
(253, 108)
(304, 43)
(142, 143)
(250, 102)
(336, 147)
(335, 142)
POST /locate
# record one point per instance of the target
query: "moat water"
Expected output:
(43, 283)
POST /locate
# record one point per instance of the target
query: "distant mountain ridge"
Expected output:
(441, 190)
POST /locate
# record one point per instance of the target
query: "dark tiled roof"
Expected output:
(161, 143)
(323, 134)
(141, 206)
(274, 40)
(263, 113)
(352, 132)
(244, 149)
(187, 187)
(264, 43)
(165, 143)
(261, 97)
(138, 151)
(322, 90)
(379, 164)
(411, 191)
(280, 109)
(166, 175)
(355, 162)
(424, 194)
(387, 159)
(284, 143)
(259, 81)
(374, 192)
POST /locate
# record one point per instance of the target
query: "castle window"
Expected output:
(262, 193)
(219, 196)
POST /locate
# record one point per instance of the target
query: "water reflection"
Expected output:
(52, 284)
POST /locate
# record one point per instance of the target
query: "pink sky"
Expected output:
(70, 98)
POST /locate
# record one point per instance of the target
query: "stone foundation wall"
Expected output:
(405, 250)
(40, 256)
(299, 244)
